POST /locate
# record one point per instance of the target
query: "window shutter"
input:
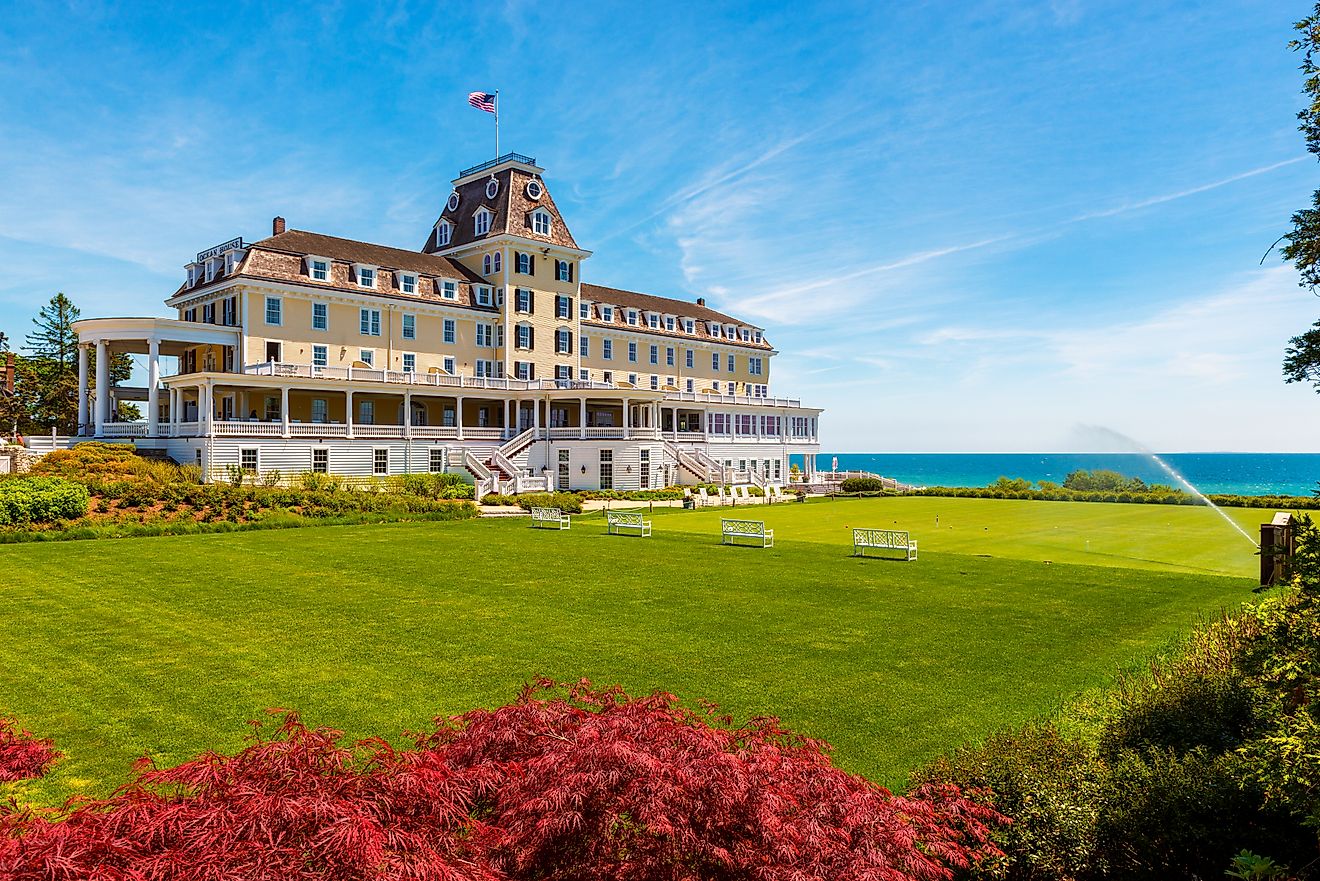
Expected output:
(531, 264)
(570, 272)
(531, 338)
(531, 370)
(568, 350)
(531, 301)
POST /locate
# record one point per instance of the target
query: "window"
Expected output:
(437, 462)
(485, 335)
(690, 359)
(483, 295)
(607, 376)
(320, 356)
(189, 314)
(210, 270)
(409, 327)
(320, 316)
(689, 326)
(757, 337)
(366, 276)
(563, 470)
(449, 290)
(524, 263)
(563, 307)
(584, 310)
(563, 341)
(718, 423)
(632, 378)
(655, 382)
(607, 349)
(655, 354)
(320, 411)
(733, 388)
(444, 231)
(491, 369)
(607, 469)
(369, 322)
(496, 261)
(690, 386)
(632, 317)
(408, 283)
(563, 270)
(731, 364)
(380, 460)
(669, 356)
(522, 370)
(409, 362)
(584, 346)
(449, 335)
(274, 310)
(653, 321)
(192, 274)
(481, 222)
(367, 357)
(584, 374)
(247, 458)
(449, 365)
(541, 223)
(522, 336)
(669, 324)
(607, 313)
(321, 460)
(486, 265)
(366, 412)
(522, 300)
(645, 468)
(563, 373)
(632, 352)
(714, 360)
(231, 312)
(208, 313)
(742, 424)
(754, 366)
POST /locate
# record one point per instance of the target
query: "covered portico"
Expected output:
(153, 337)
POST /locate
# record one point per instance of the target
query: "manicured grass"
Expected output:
(166, 645)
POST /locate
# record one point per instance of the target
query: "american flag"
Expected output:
(482, 101)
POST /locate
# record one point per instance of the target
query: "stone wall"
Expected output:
(16, 460)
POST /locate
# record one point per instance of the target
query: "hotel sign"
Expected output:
(203, 256)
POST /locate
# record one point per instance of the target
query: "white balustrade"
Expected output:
(318, 429)
(428, 432)
(390, 431)
(124, 429)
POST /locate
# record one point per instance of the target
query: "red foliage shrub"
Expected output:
(574, 784)
(23, 756)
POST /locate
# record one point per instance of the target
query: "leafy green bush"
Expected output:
(863, 485)
(569, 503)
(28, 500)
(498, 499)
(670, 494)
(1184, 713)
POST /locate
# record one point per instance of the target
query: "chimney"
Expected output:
(277, 226)
(701, 301)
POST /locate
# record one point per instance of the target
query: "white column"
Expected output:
(153, 388)
(348, 413)
(407, 414)
(102, 385)
(205, 408)
(582, 418)
(627, 417)
(536, 416)
(174, 411)
(284, 410)
(458, 416)
(82, 389)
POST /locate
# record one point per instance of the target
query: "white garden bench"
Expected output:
(732, 530)
(620, 520)
(883, 539)
(549, 517)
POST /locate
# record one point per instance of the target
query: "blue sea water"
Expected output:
(1242, 473)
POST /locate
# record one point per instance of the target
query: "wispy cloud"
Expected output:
(1183, 194)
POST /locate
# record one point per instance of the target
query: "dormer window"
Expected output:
(194, 273)
(449, 289)
(452, 203)
(541, 222)
(632, 317)
(318, 268)
(669, 323)
(444, 231)
(584, 310)
(481, 221)
(757, 336)
(746, 335)
(653, 321)
(210, 270)
(408, 282)
(366, 275)
(689, 326)
(483, 295)
(232, 259)
(534, 189)
(607, 313)
(492, 188)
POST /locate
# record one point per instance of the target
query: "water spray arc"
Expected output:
(1169, 470)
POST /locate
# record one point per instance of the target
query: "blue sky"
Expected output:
(965, 226)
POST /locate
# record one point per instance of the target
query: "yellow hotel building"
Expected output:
(483, 352)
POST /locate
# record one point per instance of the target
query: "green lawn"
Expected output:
(166, 645)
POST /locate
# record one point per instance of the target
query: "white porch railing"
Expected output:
(390, 431)
(124, 429)
(243, 428)
(434, 432)
(318, 429)
(483, 433)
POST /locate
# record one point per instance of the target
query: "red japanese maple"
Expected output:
(566, 783)
(23, 756)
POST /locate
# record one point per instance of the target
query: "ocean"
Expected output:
(1254, 474)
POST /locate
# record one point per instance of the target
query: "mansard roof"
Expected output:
(666, 306)
(512, 209)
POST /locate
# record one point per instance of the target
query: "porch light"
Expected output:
(584, 469)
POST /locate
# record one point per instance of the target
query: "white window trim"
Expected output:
(404, 278)
(446, 292)
(541, 216)
(481, 221)
(359, 268)
(444, 233)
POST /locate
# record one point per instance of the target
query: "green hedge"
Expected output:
(570, 503)
(27, 500)
(864, 485)
(1175, 497)
(671, 494)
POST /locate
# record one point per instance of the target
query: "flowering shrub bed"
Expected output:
(1170, 497)
(28, 500)
(569, 783)
(23, 756)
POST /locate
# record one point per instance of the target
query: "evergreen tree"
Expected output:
(1301, 361)
(55, 340)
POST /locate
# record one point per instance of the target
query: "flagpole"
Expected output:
(497, 123)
